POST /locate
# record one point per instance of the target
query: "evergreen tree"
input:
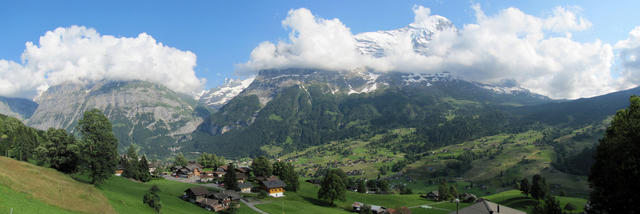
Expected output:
(99, 145)
(551, 206)
(383, 185)
(143, 170)
(180, 160)
(453, 191)
(230, 180)
(443, 190)
(615, 174)
(524, 186)
(332, 187)
(539, 188)
(362, 188)
(131, 169)
(261, 167)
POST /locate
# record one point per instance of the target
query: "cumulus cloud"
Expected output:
(81, 55)
(537, 52)
(629, 55)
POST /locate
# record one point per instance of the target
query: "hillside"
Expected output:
(44, 190)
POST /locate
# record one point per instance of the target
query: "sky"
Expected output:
(562, 49)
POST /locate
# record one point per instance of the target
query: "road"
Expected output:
(253, 207)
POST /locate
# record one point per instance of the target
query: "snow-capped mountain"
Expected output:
(217, 97)
(419, 34)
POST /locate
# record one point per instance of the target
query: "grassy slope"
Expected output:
(126, 196)
(49, 189)
(515, 199)
(25, 203)
(305, 201)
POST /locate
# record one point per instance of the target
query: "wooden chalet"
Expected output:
(275, 187)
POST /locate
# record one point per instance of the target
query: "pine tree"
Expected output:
(99, 145)
(539, 188)
(143, 170)
(614, 175)
(453, 191)
(230, 180)
(362, 188)
(524, 186)
(443, 190)
(131, 169)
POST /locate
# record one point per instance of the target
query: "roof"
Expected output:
(275, 183)
(220, 196)
(240, 176)
(487, 207)
(233, 194)
(198, 190)
(192, 166)
(244, 185)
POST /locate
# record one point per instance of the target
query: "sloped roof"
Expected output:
(198, 190)
(487, 207)
(244, 185)
(275, 183)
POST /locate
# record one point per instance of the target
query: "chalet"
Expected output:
(241, 178)
(357, 207)
(245, 187)
(222, 168)
(235, 196)
(188, 171)
(486, 207)
(119, 169)
(219, 174)
(195, 194)
(433, 195)
(211, 205)
(274, 187)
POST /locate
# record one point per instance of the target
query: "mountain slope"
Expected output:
(17, 107)
(51, 187)
(217, 97)
(149, 115)
(297, 108)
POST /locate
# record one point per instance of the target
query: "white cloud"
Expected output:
(81, 55)
(508, 45)
(629, 56)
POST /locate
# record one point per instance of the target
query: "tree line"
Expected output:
(93, 151)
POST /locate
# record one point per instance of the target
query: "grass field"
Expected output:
(515, 199)
(305, 201)
(47, 188)
(24, 203)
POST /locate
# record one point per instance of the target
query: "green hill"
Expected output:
(32, 189)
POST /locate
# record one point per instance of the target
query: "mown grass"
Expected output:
(515, 199)
(50, 187)
(306, 201)
(126, 196)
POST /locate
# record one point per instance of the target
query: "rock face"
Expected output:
(17, 107)
(217, 97)
(146, 114)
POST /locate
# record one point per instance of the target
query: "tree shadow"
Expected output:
(318, 202)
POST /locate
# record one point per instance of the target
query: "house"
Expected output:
(219, 174)
(119, 169)
(241, 178)
(222, 168)
(357, 207)
(484, 206)
(195, 194)
(274, 187)
(433, 195)
(245, 187)
(235, 196)
(212, 205)
(194, 168)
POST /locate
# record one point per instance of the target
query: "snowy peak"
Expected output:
(419, 34)
(217, 97)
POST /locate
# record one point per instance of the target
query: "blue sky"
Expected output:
(223, 33)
